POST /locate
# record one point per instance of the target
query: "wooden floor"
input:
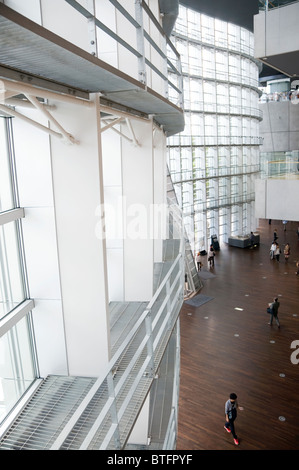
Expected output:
(225, 350)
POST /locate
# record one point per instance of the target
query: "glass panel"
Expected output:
(16, 366)
(6, 195)
(222, 128)
(11, 279)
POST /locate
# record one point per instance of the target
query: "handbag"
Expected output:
(269, 310)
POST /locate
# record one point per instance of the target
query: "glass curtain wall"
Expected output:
(214, 161)
(17, 365)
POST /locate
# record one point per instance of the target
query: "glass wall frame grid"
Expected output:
(18, 360)
(214, 161)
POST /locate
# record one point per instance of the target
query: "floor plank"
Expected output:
(225, 350)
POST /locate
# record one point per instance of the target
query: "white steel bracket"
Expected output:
(9, 90)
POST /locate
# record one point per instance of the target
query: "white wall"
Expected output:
(33, 162)
(60, 187)
(112, 169)
(30, 8)
(277, 199)
(77, 183)
(127, 182)
(138, 192)
(160, 192)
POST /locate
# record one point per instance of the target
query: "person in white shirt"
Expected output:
(198, 261)
(272, 249)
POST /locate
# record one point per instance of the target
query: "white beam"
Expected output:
(10, 216)
(15, 316)
(41, 108)
(129, 124)
(124, 114)
(118, 132)
(111, 124)
(22, 88)
(12, 112)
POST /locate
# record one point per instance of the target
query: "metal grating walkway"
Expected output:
(46, 413)
(28, 48)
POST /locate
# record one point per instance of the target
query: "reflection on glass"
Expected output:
(11, 280)
(6, 196)
(16, 366)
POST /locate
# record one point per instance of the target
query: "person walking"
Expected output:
(198, 261)
(211, 256)
(231, 407)
(287, 251)
(277, 252)
(272, 250)
(251, 240)
(274, 312)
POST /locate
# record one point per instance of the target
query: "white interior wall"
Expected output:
(160, 193)
(107, 48)
(30, 8)
(128, 62)
(112, 169)
(138, 193)
(269, 206)
(78, 191)
(116, 201)
(66, 22)
(33, 162)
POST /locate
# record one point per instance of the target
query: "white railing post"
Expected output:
(150, 344)
(113, 410)
(140, 41)
(165, 69)
(168, 296)
(92, 29)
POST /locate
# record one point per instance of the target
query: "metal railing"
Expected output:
(280, 165)
(121, 390)
(221, 202)
(271, 4)
(197, 174)
(181, 140)
(222, 108)
(157, 57)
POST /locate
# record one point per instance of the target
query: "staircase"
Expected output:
(193, 280)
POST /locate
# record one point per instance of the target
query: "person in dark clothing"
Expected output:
(274, 312)
(251, 240)
(231, 407)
